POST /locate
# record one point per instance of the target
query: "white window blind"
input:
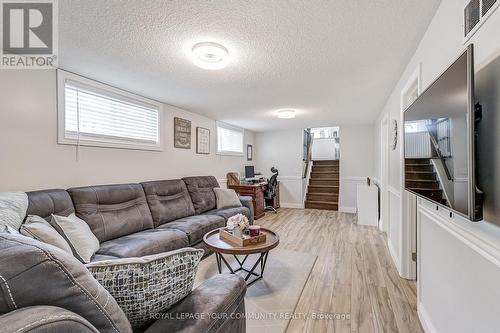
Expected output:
(98, 115)
(229, 139)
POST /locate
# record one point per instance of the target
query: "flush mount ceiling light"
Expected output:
(208, 55)
(286, 114)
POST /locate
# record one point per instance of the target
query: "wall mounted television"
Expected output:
(439, 141)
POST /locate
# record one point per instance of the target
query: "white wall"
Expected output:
(323, 149)
(454, 274)
(30, 157)
(458, 287)
(283, 150)
(356, 162)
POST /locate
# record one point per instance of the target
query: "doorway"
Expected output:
(322, 179)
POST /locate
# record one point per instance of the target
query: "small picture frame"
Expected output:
(249, 152)
(202, 140)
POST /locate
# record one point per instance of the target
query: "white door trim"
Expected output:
(408, 202)
(384, 174)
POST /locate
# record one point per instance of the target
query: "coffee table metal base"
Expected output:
(250, 273)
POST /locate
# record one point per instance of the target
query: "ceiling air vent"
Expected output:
(472, 14)
(476, 13)
(487, 5)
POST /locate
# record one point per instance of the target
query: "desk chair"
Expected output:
(272, 185)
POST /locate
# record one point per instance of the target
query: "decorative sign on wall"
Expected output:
(182, 133)
(249, 152)
(202, 140)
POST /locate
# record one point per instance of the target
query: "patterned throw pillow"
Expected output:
(145, 286)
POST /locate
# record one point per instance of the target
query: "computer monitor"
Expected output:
(249, 171)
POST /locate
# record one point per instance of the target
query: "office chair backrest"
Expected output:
(272, 183)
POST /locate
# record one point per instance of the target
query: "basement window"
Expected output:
(94, 114)
(229, 139)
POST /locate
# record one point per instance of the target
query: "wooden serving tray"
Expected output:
(245, 241)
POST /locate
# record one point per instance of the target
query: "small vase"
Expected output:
(237, 232)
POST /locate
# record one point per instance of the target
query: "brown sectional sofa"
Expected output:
(130, 220)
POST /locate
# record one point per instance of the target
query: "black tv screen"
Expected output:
(439, 139)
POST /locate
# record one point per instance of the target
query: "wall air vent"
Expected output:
(472, 15)
(476, 12)
(487, 5)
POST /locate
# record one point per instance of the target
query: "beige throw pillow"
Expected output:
(37, 228)
(226, 198)
(145, 286)
(78, 235)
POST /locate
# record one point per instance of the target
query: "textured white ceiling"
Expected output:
(335, 61)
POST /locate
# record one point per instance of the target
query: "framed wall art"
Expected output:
(249, 152)
(202, 140)
(182, 133)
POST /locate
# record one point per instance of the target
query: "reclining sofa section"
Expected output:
(133, 220)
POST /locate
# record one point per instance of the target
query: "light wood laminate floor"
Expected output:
(353, 275)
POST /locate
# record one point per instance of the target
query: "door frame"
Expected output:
(384, 174)
(408, 202)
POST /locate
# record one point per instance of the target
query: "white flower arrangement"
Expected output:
(238, 221)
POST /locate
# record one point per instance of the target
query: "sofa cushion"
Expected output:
(45, 319)
(201, 191)
(13, 206)
(144, 243)
(47, 202)
(220, 297)
(33, 273)
(77, 233)
(37, 228)
(112, 211)
(168, 200)
(195, 227)
(100, 257)
(228, 212)
(148, 286)
(226, 198)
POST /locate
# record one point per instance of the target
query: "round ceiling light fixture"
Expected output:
(208, 55)
(286, 114)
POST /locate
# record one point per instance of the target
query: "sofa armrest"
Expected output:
(247, 202)
(44, 319)
(217, 305)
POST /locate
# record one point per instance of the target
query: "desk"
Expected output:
(256, 191)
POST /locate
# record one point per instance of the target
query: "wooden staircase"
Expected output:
(323, 188)
(421, 178)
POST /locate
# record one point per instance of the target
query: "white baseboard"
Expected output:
(291, 205)
(424, 319)
(395, 258)
(352, 210)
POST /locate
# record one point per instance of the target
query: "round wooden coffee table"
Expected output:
(220, 247)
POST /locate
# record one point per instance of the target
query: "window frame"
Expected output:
(230, 127)
(64, 76)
